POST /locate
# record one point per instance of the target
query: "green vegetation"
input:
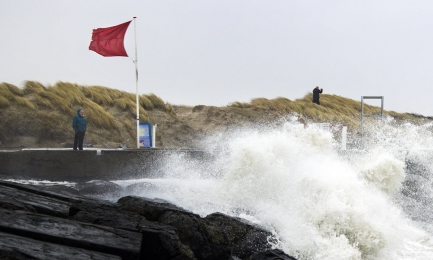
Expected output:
(40, 116)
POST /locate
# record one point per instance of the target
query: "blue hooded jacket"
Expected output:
(79, 122)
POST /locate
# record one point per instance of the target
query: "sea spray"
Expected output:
(319, 202)
(384, 171)
(322, 210)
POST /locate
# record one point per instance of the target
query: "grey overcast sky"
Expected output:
(214, 52)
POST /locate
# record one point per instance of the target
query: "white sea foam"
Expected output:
(319, 203)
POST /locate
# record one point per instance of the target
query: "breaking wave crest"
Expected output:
(319, 201)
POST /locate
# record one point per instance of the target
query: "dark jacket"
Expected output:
(79, 122)
(316, 93)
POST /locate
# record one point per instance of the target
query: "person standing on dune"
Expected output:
(316, 95)
(79, 125)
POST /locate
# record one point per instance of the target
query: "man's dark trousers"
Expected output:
(78, 140)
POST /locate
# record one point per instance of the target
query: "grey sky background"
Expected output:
(204, 52)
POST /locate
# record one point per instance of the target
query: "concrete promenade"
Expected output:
(89, 164)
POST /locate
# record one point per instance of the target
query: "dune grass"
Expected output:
(332, 109)
(45, 112)
(33, 87)
(49, 109)
(4, 102)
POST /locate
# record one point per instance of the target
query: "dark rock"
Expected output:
(274, 254)
(215, 237)
(14, 199)
(159, 241)
(22, 248)
(190, 232)
(139, 188)
(53, 222)
(162, 242)
(151, 209)
(40, 190)
(99, 188)
(12, 204)
(106, 214)
(187, 224)
(62, 189)
(240, 236)
(103, 239)
(39, 199)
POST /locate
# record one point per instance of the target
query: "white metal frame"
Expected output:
(371, 115)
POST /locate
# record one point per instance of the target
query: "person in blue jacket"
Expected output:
(80, 126)
(316, 95)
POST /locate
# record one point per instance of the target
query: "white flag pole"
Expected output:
(136, 87)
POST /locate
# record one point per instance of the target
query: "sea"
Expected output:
(370, 201)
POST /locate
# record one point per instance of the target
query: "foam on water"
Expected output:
(319, 203)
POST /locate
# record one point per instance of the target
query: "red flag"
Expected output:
(109, 41)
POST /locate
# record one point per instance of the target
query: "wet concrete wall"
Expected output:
(70, 165)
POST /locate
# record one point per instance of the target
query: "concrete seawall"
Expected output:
(70, 165)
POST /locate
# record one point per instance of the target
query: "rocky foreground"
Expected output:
(38, 222)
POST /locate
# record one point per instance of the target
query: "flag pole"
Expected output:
(136, 86)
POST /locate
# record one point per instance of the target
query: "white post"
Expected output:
(136, 86)
(344, 138)
(154, 135)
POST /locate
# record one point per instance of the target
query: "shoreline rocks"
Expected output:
(59, 224)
